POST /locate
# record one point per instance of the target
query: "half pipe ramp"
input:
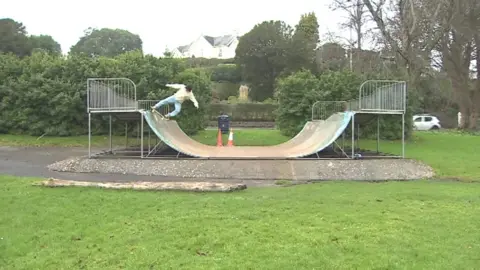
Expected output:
(314, 137)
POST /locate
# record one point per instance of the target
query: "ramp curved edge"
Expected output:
(347, 117)
(160, 135)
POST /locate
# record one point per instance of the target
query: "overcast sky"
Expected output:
(161, 23)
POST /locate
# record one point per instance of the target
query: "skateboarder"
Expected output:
(183, 93)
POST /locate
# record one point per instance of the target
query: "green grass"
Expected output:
(341, 225)
(244, 137)
(452, 155)
(73, 141)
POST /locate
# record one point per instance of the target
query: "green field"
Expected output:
(341, 225)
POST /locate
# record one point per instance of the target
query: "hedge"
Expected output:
(244, 111)
(223, 90)
(46, 94)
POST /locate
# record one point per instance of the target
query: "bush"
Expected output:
(232, 100)
(45, 94)
(226, 73)
(206, 62)
(244, 111)
(223, 90)
(297, 93)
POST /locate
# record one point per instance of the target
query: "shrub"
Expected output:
(223, 90)
(244, 111)
(45, 94)
(226, 73)
(297, 93)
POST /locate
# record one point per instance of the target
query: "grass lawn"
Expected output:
(244, 137)
(452, 155)
(342, 225)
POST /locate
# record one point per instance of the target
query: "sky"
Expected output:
(162, 24)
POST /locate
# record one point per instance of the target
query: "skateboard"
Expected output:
(161, 115)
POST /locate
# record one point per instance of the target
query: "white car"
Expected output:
(426, 122)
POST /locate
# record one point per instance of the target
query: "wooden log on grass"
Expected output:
(173, 186)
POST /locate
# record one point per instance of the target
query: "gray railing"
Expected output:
(111, 94)
(375, 96)
(321, 110)
(383, 96)
(147, 104)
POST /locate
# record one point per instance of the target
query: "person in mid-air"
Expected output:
(183, 93)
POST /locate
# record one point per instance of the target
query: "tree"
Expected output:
(13, 38)
(458, 51)
(296, 94)
(357, 18)
(262, 54)
(304, 42)
(107, 42)
(411, 32)
(331, 56)
(46, 43)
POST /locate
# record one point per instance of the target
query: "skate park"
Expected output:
(327, 148)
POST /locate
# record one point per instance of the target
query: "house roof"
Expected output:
(183, 48)
(225, 40)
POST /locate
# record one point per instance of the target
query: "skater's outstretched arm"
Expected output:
(193, 99)
(175, 85)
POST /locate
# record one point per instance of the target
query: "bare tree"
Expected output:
(412, 29)
(357, 18)
(476, 90)
(458, 48)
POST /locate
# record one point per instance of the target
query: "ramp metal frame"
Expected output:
(118, 97)
(376, 97)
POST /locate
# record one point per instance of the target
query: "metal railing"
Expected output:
(382, 96)
(111, 94)
(376, 96)
(147, 104)
(321, 110)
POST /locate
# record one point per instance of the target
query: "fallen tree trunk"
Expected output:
(173, 186)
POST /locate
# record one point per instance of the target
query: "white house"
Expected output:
(222, 47)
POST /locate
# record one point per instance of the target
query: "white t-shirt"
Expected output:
(182, 94)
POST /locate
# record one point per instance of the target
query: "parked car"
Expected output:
(426, 122)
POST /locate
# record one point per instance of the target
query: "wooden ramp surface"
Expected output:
(314, 137)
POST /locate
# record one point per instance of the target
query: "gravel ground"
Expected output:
(296, 170)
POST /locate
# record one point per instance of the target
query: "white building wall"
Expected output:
(200, 48)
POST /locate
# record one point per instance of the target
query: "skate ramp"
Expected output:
(314, 137)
